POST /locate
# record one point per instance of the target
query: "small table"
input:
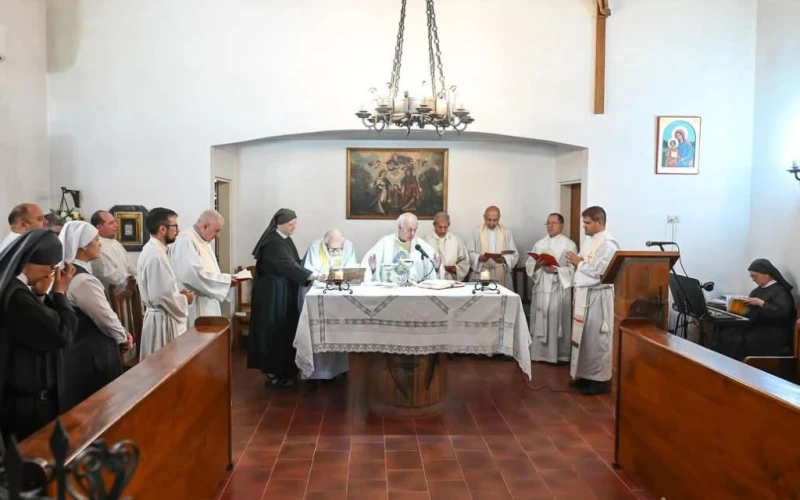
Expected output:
(405, 329)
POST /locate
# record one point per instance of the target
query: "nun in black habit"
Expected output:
(275, 310)
(771, 312)
(34, 329)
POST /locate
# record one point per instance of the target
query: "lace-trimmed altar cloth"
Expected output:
(412, 320)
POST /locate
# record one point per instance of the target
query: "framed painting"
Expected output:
(384, 183)
(678, 145)
(130, 226)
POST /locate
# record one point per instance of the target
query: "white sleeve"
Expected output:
(590, 273)
(107, 273)
(88, 295)
(188, 267)
(462, 268)
(475, 251)
(164, 292)
(513, 258)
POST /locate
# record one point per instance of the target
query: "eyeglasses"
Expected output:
(335, 251)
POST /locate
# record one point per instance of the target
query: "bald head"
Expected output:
(407, 225)
(209, 224)
(333, 237)
(26, 216)
(491, 217)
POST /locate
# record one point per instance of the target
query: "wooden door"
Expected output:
(575, 219)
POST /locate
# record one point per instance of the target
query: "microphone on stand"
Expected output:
(658, 243)
(422, 252)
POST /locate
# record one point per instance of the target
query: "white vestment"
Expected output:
(593, 315)
(388, 250)
(113, 267)
(166, 308)
(551, 305)
(197, 270)
(9, 239)
(318, 260)
(496, 240)
(454, 253)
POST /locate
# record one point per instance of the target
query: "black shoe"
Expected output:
(578, 383)
(594, 388)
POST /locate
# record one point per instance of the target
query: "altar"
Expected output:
(406, 330)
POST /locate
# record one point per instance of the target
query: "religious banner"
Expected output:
(678, 145)
(384, 183)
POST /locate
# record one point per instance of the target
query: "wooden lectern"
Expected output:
(641, 291)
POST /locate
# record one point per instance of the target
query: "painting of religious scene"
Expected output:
(678, 145)
(384, 183)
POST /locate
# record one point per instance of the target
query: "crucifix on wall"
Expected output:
(603, 11)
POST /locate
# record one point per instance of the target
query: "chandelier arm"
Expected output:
(435, 31)
(398, 52)
(431, 57)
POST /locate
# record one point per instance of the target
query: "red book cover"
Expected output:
(544, 258)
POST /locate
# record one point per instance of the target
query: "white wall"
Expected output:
(310, 178)
(775, 219)
(23, 113)
(152, 85)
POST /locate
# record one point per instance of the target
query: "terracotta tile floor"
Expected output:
(498, 438)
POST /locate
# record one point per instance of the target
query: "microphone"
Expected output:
(658, 243)
(708, 287)
(422, 252)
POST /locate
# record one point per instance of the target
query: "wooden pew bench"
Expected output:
(785, 367)
(174, 405)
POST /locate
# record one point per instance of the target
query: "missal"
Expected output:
(544, 258)
(497, 255)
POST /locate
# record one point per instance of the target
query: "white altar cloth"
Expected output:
(412, 320)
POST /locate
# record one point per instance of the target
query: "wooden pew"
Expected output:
(692, 423)
(785, 367)
(175, 406)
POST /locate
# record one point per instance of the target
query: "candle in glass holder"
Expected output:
(338, 274)
(485, 276)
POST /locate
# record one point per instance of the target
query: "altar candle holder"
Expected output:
(486, 286)
(337, 284)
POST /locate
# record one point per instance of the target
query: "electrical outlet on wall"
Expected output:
(673, 219)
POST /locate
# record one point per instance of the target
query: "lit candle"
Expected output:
(338, 274)
(485, 276)
(441, 107)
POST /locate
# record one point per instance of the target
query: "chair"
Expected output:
(241, 315)
(785, 367)
(127, 304)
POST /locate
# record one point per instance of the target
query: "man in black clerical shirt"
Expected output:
(34, 327)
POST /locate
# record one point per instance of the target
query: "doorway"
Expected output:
(575, 213)
(222, 243)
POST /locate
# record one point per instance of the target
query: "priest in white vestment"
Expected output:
(196, 267)
(593, 313)
(551, 305)
(113, 267)
(491, 237)
(332, 251)
(454, 253)
(385, 260)
(21, 219)
(166, 304)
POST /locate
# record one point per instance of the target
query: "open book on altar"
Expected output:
(440, 284)
(545, 258)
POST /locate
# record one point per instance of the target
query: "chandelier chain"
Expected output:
(431, 60)
(438, 50)
(398, 52)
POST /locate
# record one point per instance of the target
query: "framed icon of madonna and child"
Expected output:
(678, 145)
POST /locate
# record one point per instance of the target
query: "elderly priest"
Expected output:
(196, 266)
(493, 248)
(384, 261)
(455, 256)
(330, 252)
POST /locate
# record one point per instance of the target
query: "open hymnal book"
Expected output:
(439, 284)
(244, 274)
(545, 258)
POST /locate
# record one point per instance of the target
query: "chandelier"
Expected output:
(439, 110)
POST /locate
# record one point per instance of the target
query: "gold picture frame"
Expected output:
(382, 183)
(131, 232)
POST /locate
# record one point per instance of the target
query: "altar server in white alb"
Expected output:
(491, 237)
(330, 252)
(380, 261)
(167, 305)
(113, 267)
(455, 256)
(551, 307)
(196, 266)
(593, 315)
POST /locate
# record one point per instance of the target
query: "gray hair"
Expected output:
(441, 215)
(210, 216)
(332, 232)
(407, 218)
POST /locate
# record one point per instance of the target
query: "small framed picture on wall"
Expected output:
(130, 226)
(678, 145)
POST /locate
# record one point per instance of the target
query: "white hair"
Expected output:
(406, 218)
(441, 215)
(210, 216)
(330, 233)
